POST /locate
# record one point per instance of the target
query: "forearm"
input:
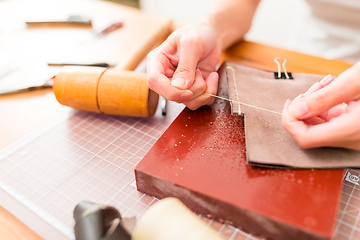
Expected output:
(231, 19)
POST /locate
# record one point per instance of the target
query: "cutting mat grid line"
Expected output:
(49, 218)
(347, 226)
(92, 157)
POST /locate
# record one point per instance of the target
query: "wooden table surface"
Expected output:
(22, 113)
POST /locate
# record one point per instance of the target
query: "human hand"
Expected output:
(328, 113)
(182, 68)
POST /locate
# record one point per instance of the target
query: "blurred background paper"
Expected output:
(22, 73)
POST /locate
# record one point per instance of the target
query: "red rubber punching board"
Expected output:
(201, 159)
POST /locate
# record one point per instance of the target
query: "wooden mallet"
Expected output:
(103, 90)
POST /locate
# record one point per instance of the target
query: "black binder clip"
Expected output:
(279, 74)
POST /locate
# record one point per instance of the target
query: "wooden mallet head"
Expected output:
(102, 90)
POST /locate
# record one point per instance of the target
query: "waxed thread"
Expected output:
(237, 94)
(245, 104)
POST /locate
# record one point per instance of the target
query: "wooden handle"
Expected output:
(171, 219)
(102, 90)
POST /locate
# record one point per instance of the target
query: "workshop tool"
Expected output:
(112, 27)
(71, 19)
(100, 64)
(170, 219)
(97, 221)
(201, 159)
(167, 219)
(102, 90)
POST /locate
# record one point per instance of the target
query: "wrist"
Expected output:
(212, 23)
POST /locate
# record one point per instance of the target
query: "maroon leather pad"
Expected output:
(201, 159)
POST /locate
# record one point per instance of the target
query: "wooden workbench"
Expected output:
(25, 112)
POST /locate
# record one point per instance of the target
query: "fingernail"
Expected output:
(198, 72)
(316, 85)
(287, 103)
(298, 109)
(186, 95)
(215, 77)
(299, 96)
(326, 79)
(178, 82)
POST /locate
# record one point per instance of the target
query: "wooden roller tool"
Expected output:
(103, 90)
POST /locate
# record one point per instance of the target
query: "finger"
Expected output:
(314, 120)
(204, 99)
(345, 88)
(199, 85)
(299, 96)
(336, 111)
(313, 88)
(158, 66)
(295, 126)
(292, 125)
(341, 131)
(158, 70)
(287, 103)
(333, 112)
(212, 84)
(326, 134)
(318, 85)
(189, 55)
(161, 84)
(299, 130)
(327, 80)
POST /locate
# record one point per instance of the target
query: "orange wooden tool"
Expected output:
(102, 90)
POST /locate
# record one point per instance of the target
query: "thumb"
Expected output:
(343, 89)
(184, 75)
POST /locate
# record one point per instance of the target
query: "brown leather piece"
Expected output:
(267, 142)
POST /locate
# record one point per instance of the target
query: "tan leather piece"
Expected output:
(109, 91)
(267, 142)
